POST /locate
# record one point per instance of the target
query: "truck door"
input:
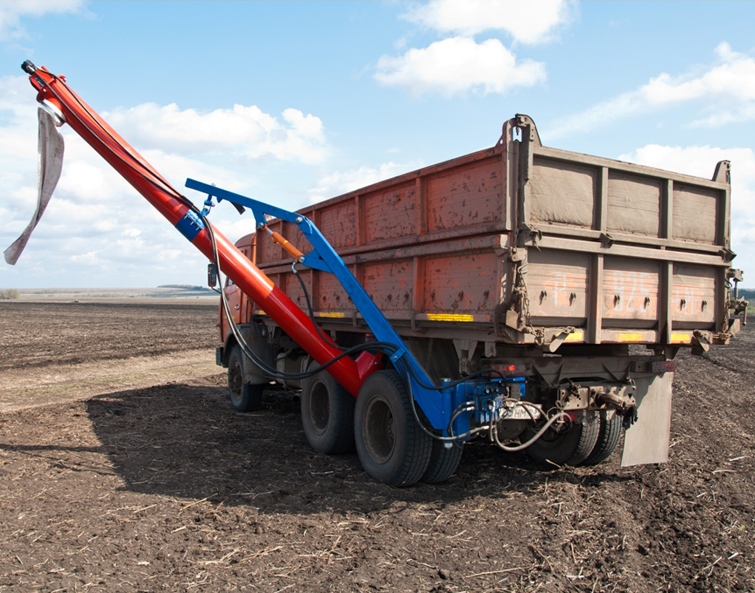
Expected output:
(234, 296)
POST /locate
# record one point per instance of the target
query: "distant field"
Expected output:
(195, 295)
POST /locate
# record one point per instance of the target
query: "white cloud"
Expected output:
(11, 12)
(458, 65)
(245, 130)
(531, 21)
(96, 226)
(701, 161)
(726, 90)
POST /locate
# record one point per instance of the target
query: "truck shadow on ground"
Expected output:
(186, 441)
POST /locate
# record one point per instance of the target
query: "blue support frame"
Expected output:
(437, 405)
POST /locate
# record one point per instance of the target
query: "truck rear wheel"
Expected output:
(443, 462)
(608, 438)
(390, 444)
(327, 414)
(245, 397)
(570, 447)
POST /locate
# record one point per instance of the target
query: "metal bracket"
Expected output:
(606, 240)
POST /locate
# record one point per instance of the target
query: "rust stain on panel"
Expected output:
(391, 214)
(338, 223)
(390, 284)
(331, 295)
(466, 282)
(465, 198)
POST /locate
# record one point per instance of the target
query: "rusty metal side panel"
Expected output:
(339, 223)
(466, 197)
(390, 284)
(562, 193)
(462, 283)
(463, 197)
(620, 252)
(392, 213)
(695, 213)
(437, 283)
(557, 285)
(293, 288)
(267, 251)
(630, 293)
(330, 296)
(634, 204)
(694, 296)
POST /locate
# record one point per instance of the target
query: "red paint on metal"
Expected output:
(121, 156)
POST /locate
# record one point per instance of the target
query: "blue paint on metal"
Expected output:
(436, 404)
(208, 205)
(190, 225)
(396, 356)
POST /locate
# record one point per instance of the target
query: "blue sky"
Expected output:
(292, 102)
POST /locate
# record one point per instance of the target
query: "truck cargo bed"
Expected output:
(524, 244)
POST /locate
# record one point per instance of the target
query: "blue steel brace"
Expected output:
(436, 405)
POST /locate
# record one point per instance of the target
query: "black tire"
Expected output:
(608, 438)
(443, 462)
(566, 448)
(390, 444)
(327, 414)
(245, 397)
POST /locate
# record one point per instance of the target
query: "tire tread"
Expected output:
(610, 435)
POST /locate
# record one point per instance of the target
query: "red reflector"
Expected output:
(510, 370)
(663, 366)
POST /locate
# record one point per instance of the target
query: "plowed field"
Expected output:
(124, 468)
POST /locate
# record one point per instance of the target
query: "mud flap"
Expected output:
(50, 149)
(647, 440)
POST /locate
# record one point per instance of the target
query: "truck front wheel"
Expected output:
(327, 414)
(390, 444)
(245, 397)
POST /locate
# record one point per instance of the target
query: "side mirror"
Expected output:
(212, 275)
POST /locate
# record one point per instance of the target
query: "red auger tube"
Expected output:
(54, 91)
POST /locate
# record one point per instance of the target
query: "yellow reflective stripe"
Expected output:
(680, 338)
(575, 337)
(630, 337)
(450, 317)
(332, 315)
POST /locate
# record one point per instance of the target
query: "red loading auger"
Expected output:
(54, 92)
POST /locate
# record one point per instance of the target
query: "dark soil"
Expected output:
(40, 334)
(169, 489)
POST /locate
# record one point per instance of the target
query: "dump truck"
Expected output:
(527, 296)
(581, 275)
